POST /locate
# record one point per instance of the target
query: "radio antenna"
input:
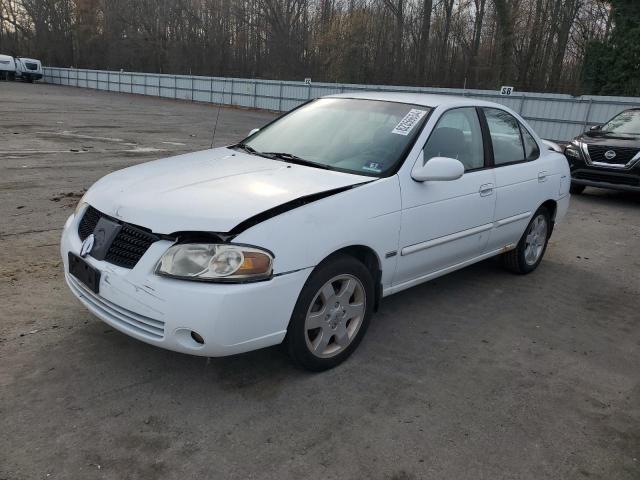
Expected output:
(215, 125)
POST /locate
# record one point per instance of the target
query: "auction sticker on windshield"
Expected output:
(375, 167)
(409, 121)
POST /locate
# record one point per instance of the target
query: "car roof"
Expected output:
(424, 99)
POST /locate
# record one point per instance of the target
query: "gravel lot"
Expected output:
(478, 375)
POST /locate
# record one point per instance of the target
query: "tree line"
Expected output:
(534, 45)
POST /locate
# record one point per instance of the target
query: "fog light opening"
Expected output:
(197, 337)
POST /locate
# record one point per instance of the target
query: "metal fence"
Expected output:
(554, 116)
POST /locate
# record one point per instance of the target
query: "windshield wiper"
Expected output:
(290, 158)
(251, 150)
(245, 147)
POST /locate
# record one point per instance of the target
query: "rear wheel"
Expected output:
(576, 189)
(526, 257)
(331, 315)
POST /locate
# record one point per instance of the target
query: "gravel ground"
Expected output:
(477, 375)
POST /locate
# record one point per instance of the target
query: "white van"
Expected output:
(28, 69)
(7, 67)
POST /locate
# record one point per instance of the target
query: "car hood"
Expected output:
(609, 139)
(212, 190)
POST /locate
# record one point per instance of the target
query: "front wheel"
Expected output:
(526, 257)
(331, 315)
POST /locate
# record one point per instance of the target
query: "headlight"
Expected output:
(215, 262)
(572, 151)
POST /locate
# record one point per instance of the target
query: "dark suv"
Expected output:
(607, 156)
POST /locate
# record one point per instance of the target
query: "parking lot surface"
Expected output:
(481, 374)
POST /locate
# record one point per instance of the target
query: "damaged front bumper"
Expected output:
(226, 318)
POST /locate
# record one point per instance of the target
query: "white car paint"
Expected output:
(154, 194)
(417, 230)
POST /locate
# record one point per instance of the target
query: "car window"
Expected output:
(627, 122)
(531, 149)
(505, 136)
(457, 135)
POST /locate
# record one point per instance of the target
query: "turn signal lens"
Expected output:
(215, 262)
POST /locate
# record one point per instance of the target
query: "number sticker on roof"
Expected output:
(409, 121)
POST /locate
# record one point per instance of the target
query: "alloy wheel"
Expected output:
(535, 240)
(335, 316)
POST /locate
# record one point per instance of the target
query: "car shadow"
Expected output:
(611, 197)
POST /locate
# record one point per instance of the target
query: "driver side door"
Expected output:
(445, 223)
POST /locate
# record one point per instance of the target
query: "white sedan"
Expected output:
(296, 233)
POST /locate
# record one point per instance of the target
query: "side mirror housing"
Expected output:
(255, 130)
(437, 169)
(595, 127)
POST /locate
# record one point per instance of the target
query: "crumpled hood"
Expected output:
(211, 190)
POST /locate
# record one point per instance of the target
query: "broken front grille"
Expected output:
(127, 248)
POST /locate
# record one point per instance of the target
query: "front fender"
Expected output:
(367, 215)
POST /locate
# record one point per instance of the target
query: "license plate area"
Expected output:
(84, 272)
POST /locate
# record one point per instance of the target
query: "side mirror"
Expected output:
(437, 169)
(595, 127)
(255, 130)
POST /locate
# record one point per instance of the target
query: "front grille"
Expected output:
(607, 177)
(623, 154)
(127, 248)
(88, 223)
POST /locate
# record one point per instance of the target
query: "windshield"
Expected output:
(365, 137)
(627, 123)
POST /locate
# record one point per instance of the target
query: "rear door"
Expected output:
(518, 175)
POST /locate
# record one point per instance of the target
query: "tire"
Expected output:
(532, 246)
(332, 314)
(576, 189)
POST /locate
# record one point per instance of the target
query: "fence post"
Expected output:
(255, 93)
(210, 89)
(231, 99)
(586, 117)
(192, 88)
(280, 97)
(524, 99)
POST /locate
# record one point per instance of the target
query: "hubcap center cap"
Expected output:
(335, 316)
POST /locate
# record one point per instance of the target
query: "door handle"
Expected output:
(486, 189)
(542, 176)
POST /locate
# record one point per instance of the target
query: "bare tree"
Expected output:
(534, 44)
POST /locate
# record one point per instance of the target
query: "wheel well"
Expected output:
(370, 259)
(551, 207)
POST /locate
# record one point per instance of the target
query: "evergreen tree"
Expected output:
(612, 67)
